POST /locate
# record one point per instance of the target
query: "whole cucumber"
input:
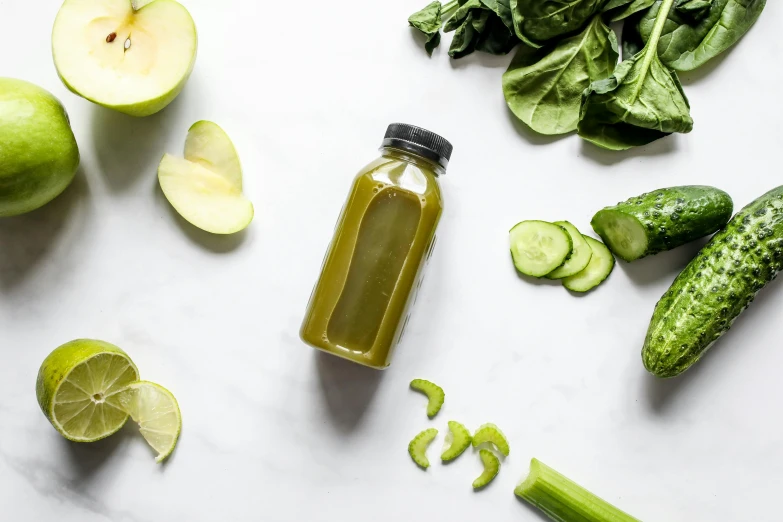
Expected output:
(716, 287)
(662, 220)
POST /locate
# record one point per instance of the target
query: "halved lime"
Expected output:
(77, 387)
(156, 411)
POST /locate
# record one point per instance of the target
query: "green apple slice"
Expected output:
(209, 146)
(206, 186)
(131, 56)
(157, 413)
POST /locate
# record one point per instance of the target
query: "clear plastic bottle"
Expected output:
(383, 239)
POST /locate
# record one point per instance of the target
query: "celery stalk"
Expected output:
(563, 500)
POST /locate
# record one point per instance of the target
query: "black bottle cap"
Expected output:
(419, 141)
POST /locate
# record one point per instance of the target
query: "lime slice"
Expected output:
(156, 411)
(77, 386)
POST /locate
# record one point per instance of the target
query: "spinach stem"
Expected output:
(651, 49)
(660, 21)
(450, 6)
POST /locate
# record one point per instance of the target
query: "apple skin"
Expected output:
(142, 108)
(38, 152)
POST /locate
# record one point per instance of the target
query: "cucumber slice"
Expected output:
(491, 433)
(538, 247)
(457, 441)
(596, 272)
(623, 232)
(417, 448)
(580, 256)
(434, 393)
(491, 469)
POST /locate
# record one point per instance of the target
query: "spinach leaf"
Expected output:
(544, 88)
(536, 22)
(468, 31)
(611, 5)
(502, 8)
(465, 9)
(428, 22)
(685, 45)
(499, 38)
(642, 102)
(622, 9)
(479, 25)
(693, 10)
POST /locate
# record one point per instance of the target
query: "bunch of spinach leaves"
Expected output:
(565, 75)
(478, 25)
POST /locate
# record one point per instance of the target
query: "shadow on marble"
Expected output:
(25, 240)
(217, 243)
(129, 149)
(348, 389)
(662, 393)
(663, 146)
(702, 73)
(86, 459)
(665, 266)
(538, 281)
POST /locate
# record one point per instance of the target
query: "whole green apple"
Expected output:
(38, 152)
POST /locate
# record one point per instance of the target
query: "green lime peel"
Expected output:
(563, 500)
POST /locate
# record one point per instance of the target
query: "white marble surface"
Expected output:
(273, 431)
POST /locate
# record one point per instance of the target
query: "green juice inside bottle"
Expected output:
(375, 263)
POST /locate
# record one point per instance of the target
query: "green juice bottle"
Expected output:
(384, 237)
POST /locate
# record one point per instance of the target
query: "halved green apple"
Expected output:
(131, 56)
(206, 186)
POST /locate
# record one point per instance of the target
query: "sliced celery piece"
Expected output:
(491, 469)
(563, 500)
(434, 393)
(491, 433)
(457, 441)
(417, 448)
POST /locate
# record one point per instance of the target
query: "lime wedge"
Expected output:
(156, 411)
(77, 386)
